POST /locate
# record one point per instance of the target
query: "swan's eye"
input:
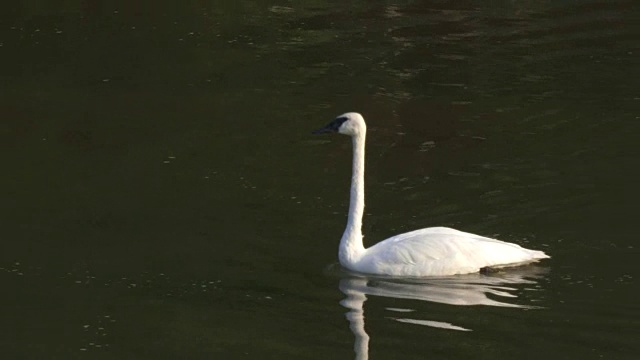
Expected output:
(338, 122)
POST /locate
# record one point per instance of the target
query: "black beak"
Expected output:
(324, 130)
(331, 127)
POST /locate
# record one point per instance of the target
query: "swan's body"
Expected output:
(436, 251)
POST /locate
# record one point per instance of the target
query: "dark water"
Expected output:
(162, 198)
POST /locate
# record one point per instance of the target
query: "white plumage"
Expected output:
(437, 251)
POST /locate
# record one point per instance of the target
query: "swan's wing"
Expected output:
(443, 251)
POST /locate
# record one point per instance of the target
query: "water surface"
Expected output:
(163, 198)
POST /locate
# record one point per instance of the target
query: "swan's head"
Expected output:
(351, 124)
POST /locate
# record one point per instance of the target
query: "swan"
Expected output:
(435, 251)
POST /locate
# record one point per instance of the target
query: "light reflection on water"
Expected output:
(461, 290)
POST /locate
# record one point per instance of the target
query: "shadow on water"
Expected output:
(498, 289)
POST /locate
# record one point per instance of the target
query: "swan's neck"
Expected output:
(351, 247)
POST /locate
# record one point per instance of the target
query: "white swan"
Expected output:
(437, 251)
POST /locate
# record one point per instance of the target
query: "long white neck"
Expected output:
(351, 247)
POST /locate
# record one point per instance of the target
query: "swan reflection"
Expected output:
(462, 290)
